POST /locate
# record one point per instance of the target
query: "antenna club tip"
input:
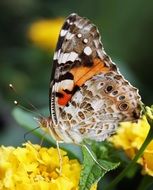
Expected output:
(15, 102)
(10, 85)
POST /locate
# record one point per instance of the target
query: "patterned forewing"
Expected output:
(77, 58)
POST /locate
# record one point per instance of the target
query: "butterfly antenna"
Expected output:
(29, 103)
(27, 133)
(94, 159)
(26, 109)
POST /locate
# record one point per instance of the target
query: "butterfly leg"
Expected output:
(42, 139)
(94, 159)
(60, 157)
(59, 153)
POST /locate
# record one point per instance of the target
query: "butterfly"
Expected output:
(88, 96)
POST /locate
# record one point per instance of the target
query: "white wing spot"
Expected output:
(87, 50)
(63, 32)
(55, 56)
(60, 58)
(85, 41)
(72, 57)
(58, 53)
(64, 57)
(79, 35)
(67, 84)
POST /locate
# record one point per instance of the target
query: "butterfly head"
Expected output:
(47, 125)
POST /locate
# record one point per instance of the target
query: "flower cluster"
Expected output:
(35, 167)
(130, 136)
(44, 33)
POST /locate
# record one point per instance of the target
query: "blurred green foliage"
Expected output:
(126, 28)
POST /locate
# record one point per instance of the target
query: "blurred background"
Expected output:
(28, 34)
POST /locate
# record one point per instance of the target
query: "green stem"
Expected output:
(138, 155)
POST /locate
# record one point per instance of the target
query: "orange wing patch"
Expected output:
(82, 74)
(64, 99)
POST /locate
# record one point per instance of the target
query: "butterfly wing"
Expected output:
(77, 58)
(88, 96)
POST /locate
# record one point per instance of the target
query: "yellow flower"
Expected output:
(94, 186)
(44, 33)
(130, 136)
(34, 167)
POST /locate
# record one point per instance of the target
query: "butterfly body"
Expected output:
(88, 95)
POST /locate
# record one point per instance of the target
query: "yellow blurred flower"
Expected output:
(44, 33)
(33, 167)
(130, 136)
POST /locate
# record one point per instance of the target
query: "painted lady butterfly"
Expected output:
(88, 96)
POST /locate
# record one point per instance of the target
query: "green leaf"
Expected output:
(91, 172)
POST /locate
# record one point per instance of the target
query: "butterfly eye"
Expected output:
(108, 89)
(123, 106)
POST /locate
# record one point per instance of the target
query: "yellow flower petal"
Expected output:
(34, 167)
(130, 136)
